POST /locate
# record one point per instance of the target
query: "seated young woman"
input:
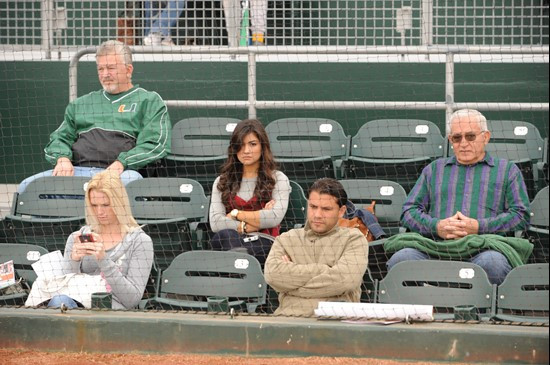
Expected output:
(250, 195)
(118, 249)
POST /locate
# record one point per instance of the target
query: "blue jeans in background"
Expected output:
(165, 21)
(126, 176)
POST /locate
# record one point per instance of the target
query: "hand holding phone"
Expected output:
(87, 237)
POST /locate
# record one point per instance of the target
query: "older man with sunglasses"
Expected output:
(471, 193)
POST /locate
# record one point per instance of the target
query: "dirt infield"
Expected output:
(16, 357)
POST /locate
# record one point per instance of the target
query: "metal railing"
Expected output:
(447, 103)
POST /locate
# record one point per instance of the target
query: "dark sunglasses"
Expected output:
(470, 137)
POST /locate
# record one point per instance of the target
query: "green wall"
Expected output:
(33, 95)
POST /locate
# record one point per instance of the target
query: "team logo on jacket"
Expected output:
(124, 109)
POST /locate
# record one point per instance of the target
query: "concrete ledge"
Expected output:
(154, 332)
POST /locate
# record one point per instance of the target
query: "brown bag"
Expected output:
(356, 222)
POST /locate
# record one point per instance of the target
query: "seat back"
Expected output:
(539, 209)
(203, 136)
(524, 289)
(296, 212)
(52, 197)
(388, 195)
(393, 149)
(216, 273)
(47, 212)
(307, 137)
(443, 284)
(539, 230)
(23, 256)
(165, 198)
(515, 140)
(170, 210)
(398, 139)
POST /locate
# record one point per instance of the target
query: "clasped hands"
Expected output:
(93, 248)
(457, 226)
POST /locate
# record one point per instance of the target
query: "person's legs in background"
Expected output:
(406, 254)
(258, 20)
(231, 240)
(495, 265)
(225, 240)
(232, 14)
(127, 176)
(158, 31)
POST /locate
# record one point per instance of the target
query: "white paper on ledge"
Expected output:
(375, 311)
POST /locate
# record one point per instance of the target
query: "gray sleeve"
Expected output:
(272, 217)
(217, 218)
(128, 289)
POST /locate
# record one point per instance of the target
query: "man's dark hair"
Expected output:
(330, 187)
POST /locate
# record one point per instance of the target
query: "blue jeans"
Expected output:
(56, 302)
(494, 263)
(126, 176)
(229, 239)
(166, 20)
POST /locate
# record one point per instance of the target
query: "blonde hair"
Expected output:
(470, 113)
(109, 183)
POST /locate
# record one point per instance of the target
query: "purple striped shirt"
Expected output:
(491, 191)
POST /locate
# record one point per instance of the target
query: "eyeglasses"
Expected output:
(470, 137)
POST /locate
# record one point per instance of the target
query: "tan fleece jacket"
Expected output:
(326, 267)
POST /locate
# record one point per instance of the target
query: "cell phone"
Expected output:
(87, 237)
(251, 238)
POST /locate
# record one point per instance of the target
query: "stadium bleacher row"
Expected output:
(174, 212)
(173, 206)
(387, 149)
(195, 276)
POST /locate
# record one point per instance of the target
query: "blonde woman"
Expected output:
(111, 244)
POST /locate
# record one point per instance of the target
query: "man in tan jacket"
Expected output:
(320, 262)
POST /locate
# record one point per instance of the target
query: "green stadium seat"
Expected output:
(393, 149)
(296, 213)
(173, 212)
(389, 197)
(23, 256)
(443, 284)
(523, 296)
(47, 212)
(199, 148)
(538, 230)
(543, 166)
(307, 149)
(194, 276)
(521, 143)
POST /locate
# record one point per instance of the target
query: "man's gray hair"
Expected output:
(115, 47)
(473, 114)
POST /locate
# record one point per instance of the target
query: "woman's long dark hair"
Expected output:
(232, 170)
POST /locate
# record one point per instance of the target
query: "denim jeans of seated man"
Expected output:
(126, 176)
(494, 263)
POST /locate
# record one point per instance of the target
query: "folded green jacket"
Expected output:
(516, 250)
